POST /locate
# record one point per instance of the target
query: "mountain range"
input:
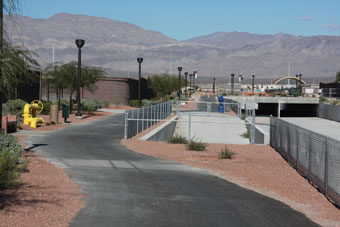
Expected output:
(115, 45)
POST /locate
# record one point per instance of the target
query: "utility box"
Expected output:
(65, 113)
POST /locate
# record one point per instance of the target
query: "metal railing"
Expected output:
(314, 156)
(140, 119)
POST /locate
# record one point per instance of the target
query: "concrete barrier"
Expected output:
(329, 112)
(162, 133)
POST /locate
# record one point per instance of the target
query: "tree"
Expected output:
(337, 79)
(10, 7)
(164, 85)
(18, 67)
(65, 76)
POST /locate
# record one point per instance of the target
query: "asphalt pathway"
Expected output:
(124, 188)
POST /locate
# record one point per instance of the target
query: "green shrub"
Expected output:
(64, 101)
(225, 153)
(245, 135)
(106, 103)
(243, 116)
(178, 139)
(133, 103)
(90, 105)
(196, 146)
(10, 159)
(117, 102)
(313, 96)
(323, 99)
(13, 107)
(47, 107)
(53, 123)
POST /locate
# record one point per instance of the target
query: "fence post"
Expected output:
(126, 125)
(238, 110)
(253, 127)
(297, 147)
(326, 166)
(143, 119)
(137, 121)
(189, 126)
(310, 148)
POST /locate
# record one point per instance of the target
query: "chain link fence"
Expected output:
(314, 156)
(140, 119)
(191, 115)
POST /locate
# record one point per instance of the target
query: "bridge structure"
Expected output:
(279, 106)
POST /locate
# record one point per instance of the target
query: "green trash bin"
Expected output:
(65, 114)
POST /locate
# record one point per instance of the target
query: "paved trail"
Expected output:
(124, 188)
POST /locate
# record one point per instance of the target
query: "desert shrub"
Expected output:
(323, 99)
(133, 103)
(178, 139)
(106, 103)
(196, 145)
(243, 116)
(47, 107)
(117, 102)
(245, 135)
(225, 153)
(64, 101)
(13, 107)
(90, 105)
(335, 102)
(10, 160)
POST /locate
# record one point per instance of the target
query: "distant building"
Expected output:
(330, 90)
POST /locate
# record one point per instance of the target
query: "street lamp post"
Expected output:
(214, 86)
(80, 43)
(232, 83)
(190, 85)
(179, 82)
(300, 75)
(194, 80)
(139, 60)
(253, 84)
(185, 82)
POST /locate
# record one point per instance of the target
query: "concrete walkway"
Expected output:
(212, 128)
(124, 188)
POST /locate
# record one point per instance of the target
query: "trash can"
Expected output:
(65, 114)
(221, 105)
(54, 113)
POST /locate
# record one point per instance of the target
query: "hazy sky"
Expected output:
(184, 19)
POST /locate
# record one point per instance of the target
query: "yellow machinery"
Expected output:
(30, 113)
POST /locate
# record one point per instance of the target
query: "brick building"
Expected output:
(111, 89)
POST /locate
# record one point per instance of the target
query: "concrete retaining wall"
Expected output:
(329, 112)
(261, 136)
(163, 132)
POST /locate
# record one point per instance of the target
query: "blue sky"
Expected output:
(184, 19)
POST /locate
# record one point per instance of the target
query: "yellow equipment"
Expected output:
(34, 108)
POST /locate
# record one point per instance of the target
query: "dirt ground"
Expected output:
(256, 167)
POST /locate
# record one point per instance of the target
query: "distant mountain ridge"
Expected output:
(110, 43)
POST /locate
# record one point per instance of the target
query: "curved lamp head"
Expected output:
(80, 43)
(186, 73)
(253, 76)
(232, 74)
(180, 68)
(139, 60)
